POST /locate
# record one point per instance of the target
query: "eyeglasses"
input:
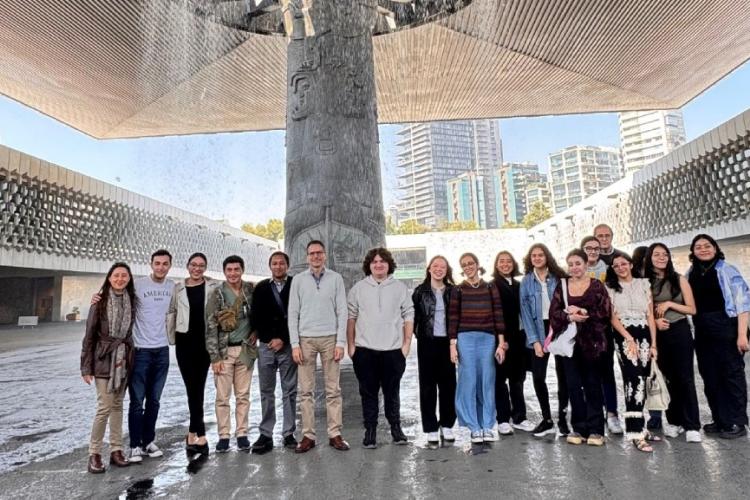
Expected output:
(592, 249)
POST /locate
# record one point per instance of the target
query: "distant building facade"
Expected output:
(646, 136)
(580, 171)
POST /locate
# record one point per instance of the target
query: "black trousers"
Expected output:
(586, 398)
(193, 361)
(437, 383)
(509, 379)
(675, 361)
(539, 373)
(722, 368)
(376, 370)
(607, 364)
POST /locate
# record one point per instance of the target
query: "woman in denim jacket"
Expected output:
(722, 300)
(542, 274)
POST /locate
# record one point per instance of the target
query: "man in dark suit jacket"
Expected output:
(269, 322)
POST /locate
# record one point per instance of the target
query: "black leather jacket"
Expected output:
(424, 309)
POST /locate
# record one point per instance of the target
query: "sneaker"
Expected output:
(672, 431)
(525, 426)
(447, 433)
(153, 451)
(290, 442)
(243, 444)
(575, 438)
(693, 436)
(477, 437)
(222, 446)
(370, 439)
(398, 435)
(505, 429)
(543, 428)
(489, 435)
(562, 427)
(433, 437)
(136, 455)
(613, 424)
(595, 440)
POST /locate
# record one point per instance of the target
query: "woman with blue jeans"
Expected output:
(476, 331)
(722, 300)
(537, 286)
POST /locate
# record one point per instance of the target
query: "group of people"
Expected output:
(476, 340)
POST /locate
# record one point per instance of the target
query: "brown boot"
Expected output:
(118, 459)
(95, 464)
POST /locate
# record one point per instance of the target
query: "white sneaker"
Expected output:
(136, 455)
(672, 431)
(153, 450)
(613, 423)
(447, 433)
(489, 435)
(433, 437)
(525, 426)
(505, 429)
(693, 436)
(477, 437)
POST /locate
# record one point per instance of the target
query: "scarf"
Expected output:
(119, 316)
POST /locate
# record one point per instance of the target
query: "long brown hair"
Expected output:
(106, 287)
(552, 266)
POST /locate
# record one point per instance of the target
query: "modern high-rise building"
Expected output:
(510, 182)
(429, 154)
(580, 171)
(538, 191)
(466, 199)
(646, 136)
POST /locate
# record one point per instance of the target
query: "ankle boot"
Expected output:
(95, 464)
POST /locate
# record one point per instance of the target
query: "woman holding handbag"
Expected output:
(722, 300)
(583, 301)
(476, 331)
(106, 360)
(542, 274)
(673, 302)
(635, 343)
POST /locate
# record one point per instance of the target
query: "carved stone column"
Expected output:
(334, 191)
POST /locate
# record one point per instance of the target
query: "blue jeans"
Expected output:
(146, 383)
(475, 392)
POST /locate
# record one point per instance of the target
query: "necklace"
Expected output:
(473, 285)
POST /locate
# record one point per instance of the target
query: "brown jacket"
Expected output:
(97, 347)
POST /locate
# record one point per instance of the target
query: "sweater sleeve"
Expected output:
(558, 317)
(342, 312)
(353, 302)
(407, 306)
(454, 312)
(293, 313)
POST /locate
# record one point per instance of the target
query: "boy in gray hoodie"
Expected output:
(379, 330)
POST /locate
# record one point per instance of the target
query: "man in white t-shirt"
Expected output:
(153, 294)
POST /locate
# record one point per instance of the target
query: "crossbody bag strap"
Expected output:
(564, 283)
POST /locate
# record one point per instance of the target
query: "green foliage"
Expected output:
(411, 226)
(468, 225)
(272, 230)
(539, 212)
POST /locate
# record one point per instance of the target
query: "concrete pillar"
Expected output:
(334, 192)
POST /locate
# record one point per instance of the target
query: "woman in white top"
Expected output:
(635, 338)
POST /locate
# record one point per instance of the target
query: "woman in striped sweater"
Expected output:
(476, 328)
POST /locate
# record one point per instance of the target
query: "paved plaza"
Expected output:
(46, 413)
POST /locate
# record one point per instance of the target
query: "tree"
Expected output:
(272, 230)
(411, 226)
(511, 225)
(539, 212)
(459, 225)
(390, 227)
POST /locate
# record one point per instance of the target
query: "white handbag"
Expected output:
(657, 395)
(565, 342)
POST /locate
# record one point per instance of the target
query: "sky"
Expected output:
(240, 177)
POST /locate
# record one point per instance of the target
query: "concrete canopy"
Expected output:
(116, 68)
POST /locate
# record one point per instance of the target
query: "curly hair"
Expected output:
(384, 254)
(552, 265)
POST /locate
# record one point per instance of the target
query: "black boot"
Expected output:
(398, 434)
(369, 440)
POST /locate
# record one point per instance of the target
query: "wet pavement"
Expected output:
(46, 411)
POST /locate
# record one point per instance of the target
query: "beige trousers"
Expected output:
(234, 375)
(108, 409)
(311, 347)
